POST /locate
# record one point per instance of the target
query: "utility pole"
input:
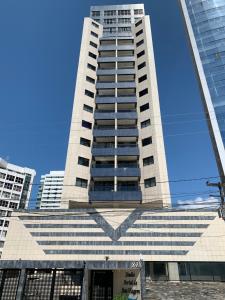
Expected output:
(220, 186)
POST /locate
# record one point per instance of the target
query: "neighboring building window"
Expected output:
(109, 21)
(124, 20)
(93, 44)
(13, 205)
(142, 65)
(1, 183)
(144, 107)
(86, 124)
(17, 188)
(85, 142)
(124, 12)
(147, 141)
(2, 175)
(19, 180)
(15, 196)
(145, 123)
(138, 11)
(4, 203)
(89, 79)
(92, 55)
(89, 94)
(139, 43)
(6, 224)
(142, 78)
(88, 108)
(83, 161)
(8, 186)
(10, 177)
(94, 24)
(94, 34)
(5, 195)
(81, 182)
(139, 32)
(138, 23)
(109, 12)
(141, 53)
(148, 161)
(150, 182)
(124, 29)
(95, 13)
(109, 29)
(93, 68)
(143, 92)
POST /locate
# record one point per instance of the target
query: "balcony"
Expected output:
(110, 85)
(104, 59)
(115, 132)
(106, 100)
(105, 150)
(112, 115)
(111, 71)
(108, 171)
(115, 196)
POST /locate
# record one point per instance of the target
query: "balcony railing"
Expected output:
(128, 165)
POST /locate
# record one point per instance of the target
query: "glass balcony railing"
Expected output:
(102, 166)
(125, 145)
(104, 145)
(128, 165)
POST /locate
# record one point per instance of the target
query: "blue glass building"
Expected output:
(205, 22)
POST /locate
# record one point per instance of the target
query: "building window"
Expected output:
(145, 123)
(124, 29)
(150, 182)
(124, 12)
(83, 161)
(95, 25)
(143, 92)
(139, 43)
(19, 180)
(86, 124)
(109, 12)
(2, 175)
(109, 30)
(94, 34)
(13, 205)
(89, 94)
(139, 32)
(85, 142)
(147, 141)
(92, 55)
(6, 224)
(1, 183)
(144, 107)
(138, 11)
(93, 44)
(93, 68)
(124, 21)
(141, 53)
(8, 186)
(138, 23)
(10, 177)
(15, 196)
(142, 65)
(142, 78)
(109, 21)
(89, 79)
(148, 161)
(5, 195)
(88, 108)
(81, 182)
(95, 13)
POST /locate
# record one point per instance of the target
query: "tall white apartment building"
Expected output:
(15, 188)
(50, 190)
(116, 153)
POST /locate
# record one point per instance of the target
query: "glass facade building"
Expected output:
(205, 21)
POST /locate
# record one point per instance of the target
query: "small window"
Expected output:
(81, 182)
(93, 68)
(2, 175)
(89, 94)
(144, 107)
(138, 11)
(8, 186)
(142, 65)
(19, 180)
(147, 141)
(150, 182)
(139, 32)
(138, 23)
(93, 44)
(95, 25)
(148, 161)
(89, 79)
(92, 55)
(142, 78)
(10, 177)
(94, 34)
(95, 13)
(124, 12)
(143, 92)
(85, 142)
(141, 53)
(145, 123)
(83, 161)
(86, 124)
(139, 43)
(109, 12)
(88, 108)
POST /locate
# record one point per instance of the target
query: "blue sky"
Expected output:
(40, 43)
